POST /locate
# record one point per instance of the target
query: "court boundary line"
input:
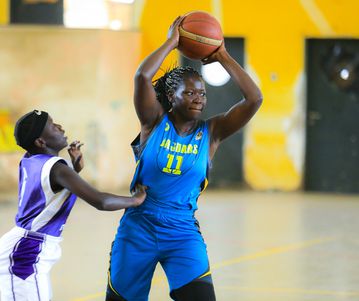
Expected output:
(248, 257)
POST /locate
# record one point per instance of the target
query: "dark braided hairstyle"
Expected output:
(169, 82)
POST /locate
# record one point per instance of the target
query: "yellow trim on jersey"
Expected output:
(110, 285)
(205, 185)
(205, 274)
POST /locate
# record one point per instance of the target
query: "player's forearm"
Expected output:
(106, 201)
(111, 202)
(153, 62)
(248, 87)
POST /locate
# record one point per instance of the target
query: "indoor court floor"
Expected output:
(262, 247)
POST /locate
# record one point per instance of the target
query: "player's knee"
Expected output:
(112, 296)
(197, 290)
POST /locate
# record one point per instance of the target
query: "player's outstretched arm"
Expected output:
(62, 176)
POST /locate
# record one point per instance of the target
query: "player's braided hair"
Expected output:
(169, 82)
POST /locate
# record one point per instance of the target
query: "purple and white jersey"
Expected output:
(40, 209)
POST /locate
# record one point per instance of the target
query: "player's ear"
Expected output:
(40, 143)
(170, 96)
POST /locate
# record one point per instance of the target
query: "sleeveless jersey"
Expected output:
(173, 167)
(39, 208)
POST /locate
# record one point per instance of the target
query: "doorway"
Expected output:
(332, 125)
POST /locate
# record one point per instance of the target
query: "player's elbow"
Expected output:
(142, 76)
(259, 100)
(256, 100)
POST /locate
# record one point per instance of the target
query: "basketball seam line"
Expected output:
(198, 38)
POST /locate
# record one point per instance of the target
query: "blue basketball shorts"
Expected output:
(146, 238)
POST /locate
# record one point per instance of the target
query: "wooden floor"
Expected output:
(262, 247)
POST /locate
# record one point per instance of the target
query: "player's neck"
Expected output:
(45, 152)
(183, 126)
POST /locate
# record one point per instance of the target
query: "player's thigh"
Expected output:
(35, 287)
(38, 287)
(185, 261)
(131, 279)
(133, 259)
(7, 289)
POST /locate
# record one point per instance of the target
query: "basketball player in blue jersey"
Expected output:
(48, 187)
(173, 153)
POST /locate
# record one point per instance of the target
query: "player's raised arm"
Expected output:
(226, 124)
(148, 109)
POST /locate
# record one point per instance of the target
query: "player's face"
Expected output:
(190, 98)
(54, 135)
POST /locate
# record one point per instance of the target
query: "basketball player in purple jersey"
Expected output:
(48, 187)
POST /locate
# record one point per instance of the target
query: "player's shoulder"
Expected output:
(61, 169)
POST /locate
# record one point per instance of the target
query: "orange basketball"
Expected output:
(200, 35)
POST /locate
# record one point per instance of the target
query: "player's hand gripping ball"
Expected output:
(200, 35)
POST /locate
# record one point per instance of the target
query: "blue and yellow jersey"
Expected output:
(173, 167)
